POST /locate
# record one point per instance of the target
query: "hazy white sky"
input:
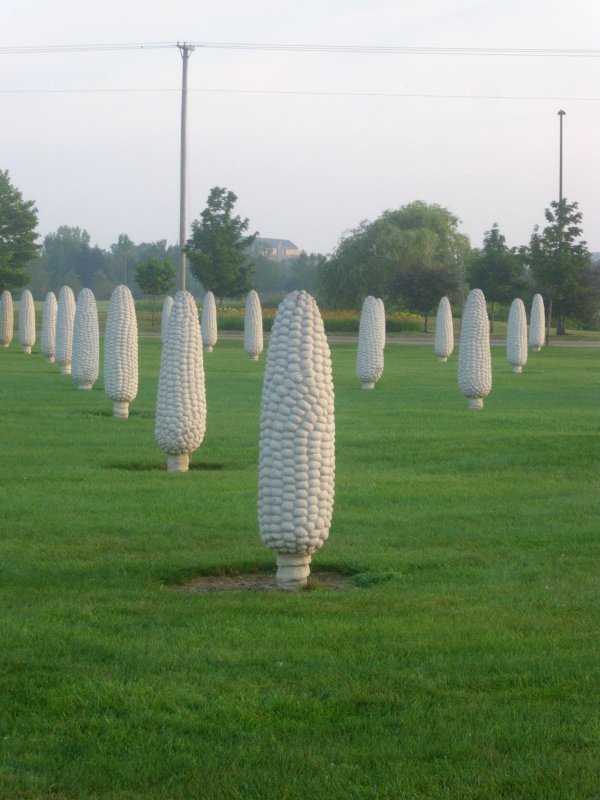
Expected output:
(311, 142)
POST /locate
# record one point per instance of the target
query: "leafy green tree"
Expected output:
(122, 260)
(497, 270)
(303, 272)
(268, 276)
(560, 263)
(409, 256)
(18, 221)
(68, 250)
(217, 247)
(155, 277)
(421, 287)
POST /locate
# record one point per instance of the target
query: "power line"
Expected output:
(307, 93)
(512, 52)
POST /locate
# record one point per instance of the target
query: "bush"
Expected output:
(231, 318)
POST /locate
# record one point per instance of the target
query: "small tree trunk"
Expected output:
(492, 319)
(425, 326)
(153, 311)
(549, 319)
(561, 325)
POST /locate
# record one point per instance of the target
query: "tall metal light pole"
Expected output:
(185, 49)
(561, 114)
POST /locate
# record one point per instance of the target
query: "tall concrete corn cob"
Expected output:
(537, 324)
(444, 332)
(6, 318)
(474, 358)
(164, 319)
(208, 322)
(297, 440)
(65, 317)
(253, 326)
(86, 341)
(48, 341)
(121, 351)
(27, 321)
(369, 355)
(181, 403)
(516, 336)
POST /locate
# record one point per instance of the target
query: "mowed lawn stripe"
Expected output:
(460, 661)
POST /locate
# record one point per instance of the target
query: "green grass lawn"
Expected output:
(462, 661)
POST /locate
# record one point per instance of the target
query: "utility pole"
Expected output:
(559, 219)
(561, 114)
(185, 50)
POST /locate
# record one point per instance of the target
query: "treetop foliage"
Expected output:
(217, 248)
(410, 256)
(18, 221)
(497, 270)
(155, 276)
(561, 266)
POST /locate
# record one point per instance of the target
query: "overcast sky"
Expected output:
(311, 142)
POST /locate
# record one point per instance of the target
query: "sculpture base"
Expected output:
(50, 359)
(536, 349)
(476, 403)
(253, 356)
(442, 358)
(7, 344)
(87, 386)
(292, 571)
(27, 349)
(368, 384)
(208, 348)
(178, 463)
(121, 409)
(517, 368)
(65, 369)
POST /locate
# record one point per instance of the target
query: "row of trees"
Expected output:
(413, 256)
(410, 257)
(219, 251)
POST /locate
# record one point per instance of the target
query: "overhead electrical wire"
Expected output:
(306, 92)
(513, 52)
(306, 48)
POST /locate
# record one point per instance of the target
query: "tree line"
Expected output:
(410, 257)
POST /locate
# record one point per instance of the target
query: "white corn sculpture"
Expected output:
(297, 440)
(27, 321)
(474, 358)
(516, 336)
(444, 331)
(537, 324)
(6, 318)
(86, 341)
(253, 326)
(48, 340)
(208, 323)
(181, 403)
(164, 319)
(369, 355)
(121, 351)
(65, 317)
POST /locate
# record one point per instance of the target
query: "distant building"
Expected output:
(277, 249)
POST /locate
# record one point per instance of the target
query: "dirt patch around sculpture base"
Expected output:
(260, 582)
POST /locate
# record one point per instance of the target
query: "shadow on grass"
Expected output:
(261, 577)
(108, 412)
(147, 466)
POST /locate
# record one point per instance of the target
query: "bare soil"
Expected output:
(259, 582)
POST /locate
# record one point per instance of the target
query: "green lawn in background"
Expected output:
(462, 661)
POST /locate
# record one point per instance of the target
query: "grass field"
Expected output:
(461, 662)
